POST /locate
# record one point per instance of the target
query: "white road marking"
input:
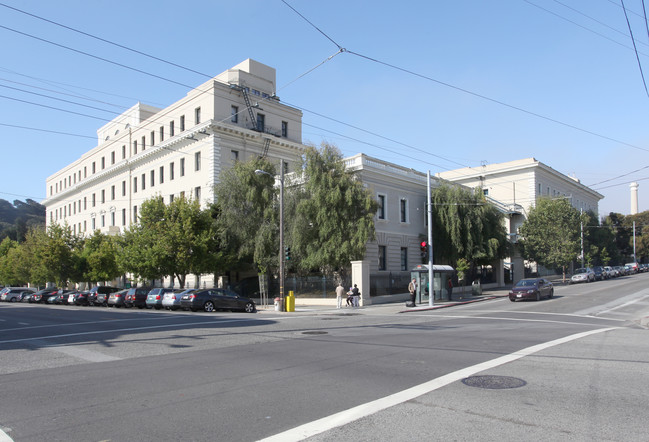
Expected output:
(519, 319)
(344, 417)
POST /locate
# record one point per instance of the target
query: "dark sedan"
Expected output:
(531, 288)
(136, 297)
(216, 299)
(43, 295)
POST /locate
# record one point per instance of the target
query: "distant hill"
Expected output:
(17, 218)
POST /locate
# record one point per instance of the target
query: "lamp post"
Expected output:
(281, 231)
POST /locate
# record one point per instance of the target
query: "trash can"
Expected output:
(476, 288)
(278, 305)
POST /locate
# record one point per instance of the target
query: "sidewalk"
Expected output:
(396, 306)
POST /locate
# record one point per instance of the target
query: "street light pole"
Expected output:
(281, 230)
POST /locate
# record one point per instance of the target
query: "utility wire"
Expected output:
(644, 82)
(46, 130)
(620, 176)
(317, 28)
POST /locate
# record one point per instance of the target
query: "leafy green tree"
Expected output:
(56, 253)
(551, 234)
(466, 226)
(246, 215)
(98, 258)
(331, 214)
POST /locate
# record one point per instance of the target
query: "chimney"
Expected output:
(634, 198)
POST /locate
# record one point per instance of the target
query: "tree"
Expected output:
(247, 215)
(551, 234)
(98, 258)
(174, 240)
(466, 226)
(331, 214)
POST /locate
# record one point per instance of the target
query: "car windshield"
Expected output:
(526, 283)
(581, 271)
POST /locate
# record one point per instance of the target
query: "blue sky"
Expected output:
(470, 81)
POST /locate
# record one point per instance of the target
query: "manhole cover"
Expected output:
(493, 382)
(315, 332)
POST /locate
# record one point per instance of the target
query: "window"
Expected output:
(123, 217)
(152, 138)
(123, 156)
(404, 259)
(112, 218)
(197, 193)
(285, 166)
(261, 122)
(143, 143)
(112, 192)
(171, 198)
(162, 133)
(381, 211)
(123, 188)
(539, 188)
(134, 147)
(234, 155)
(93, 167)
(103, 220)
(182, 167)
(171, 171)
(284, 129)
(85, 206)
(197, 115)
(143, 181)
(485, 192)
(182, 123)
(162, 174)
(103, 163)
(234, 114)
(103, 196)
(112, 157)
(85, 226)
(197, 161)
(172, 128)
(93, 224)
(93, 200)
(134, 184)
(403, 210)
(85, 172)
(152, 178)
(382, 258)
(134, 214)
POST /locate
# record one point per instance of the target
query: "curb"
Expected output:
(453, 304)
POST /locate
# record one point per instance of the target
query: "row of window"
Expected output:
(383, 252)
(97, 222)
(261, 121)
(382, 210)
(73, 178)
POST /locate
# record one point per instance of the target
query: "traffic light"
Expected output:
(287, 253)
(424, 249)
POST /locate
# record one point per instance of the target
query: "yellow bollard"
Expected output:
(290, 302)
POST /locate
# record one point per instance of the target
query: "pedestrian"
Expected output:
(356, 294)
(450, 289)
(412, 288)
(350, 299)
(340, 291)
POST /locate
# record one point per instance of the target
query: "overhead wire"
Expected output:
(644, 82)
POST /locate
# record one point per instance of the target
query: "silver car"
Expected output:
(15, 294)
(156, 295)
(584, 274)
(171, 300)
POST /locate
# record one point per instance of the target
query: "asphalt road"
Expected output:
(571, 368)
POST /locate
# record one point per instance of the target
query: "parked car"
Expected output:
(43, 295)
(171, 301)
(216, 299)
(98, 295)
(156, 295)
(621, 270)
(116, 299)
(612, 273)
(632, 266)
(600, 274)
(62, 296)
(14, 294)
(136, 297)
(531, 288)
(584, 274)
(80, 298)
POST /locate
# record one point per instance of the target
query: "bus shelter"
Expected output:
(441, 275)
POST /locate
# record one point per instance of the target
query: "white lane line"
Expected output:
(518, 319)
(540, 313)
(72, 324)
(344, 417)
(4, 437)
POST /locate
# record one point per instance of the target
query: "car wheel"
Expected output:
(551, 294)
(13, 300)
(209, 306)
(512, 299)
(250, 307)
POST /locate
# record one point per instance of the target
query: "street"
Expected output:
(570, 368)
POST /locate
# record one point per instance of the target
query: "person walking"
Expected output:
(340, 291)
(450, 289)
(412, 288)
(356, 294)
(350, 298)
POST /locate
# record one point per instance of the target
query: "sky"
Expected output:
(430, 85)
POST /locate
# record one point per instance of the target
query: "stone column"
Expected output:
(361, 277)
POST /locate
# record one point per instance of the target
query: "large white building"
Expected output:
(515, 186)
(181, 149)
